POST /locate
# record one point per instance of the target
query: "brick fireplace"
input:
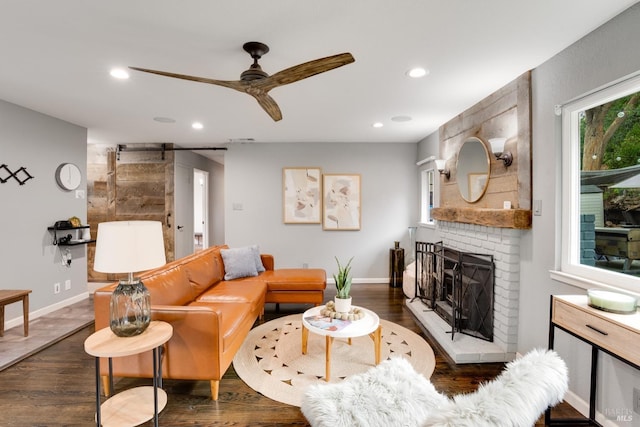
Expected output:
(483, 225)
(504, 245)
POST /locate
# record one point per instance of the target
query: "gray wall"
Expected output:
(28, 259)
(216, 205)
(253, 178)
(601, 57)
(195, 161)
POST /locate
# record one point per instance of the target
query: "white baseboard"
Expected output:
(45, 310)
(582, 406)
(373, 281)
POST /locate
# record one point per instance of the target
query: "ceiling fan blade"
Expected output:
(258, 87)
(268, 104)
(302, 71)
(237, 85)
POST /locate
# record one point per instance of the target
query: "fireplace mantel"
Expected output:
(502, 218)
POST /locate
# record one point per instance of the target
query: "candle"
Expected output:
(611, 301)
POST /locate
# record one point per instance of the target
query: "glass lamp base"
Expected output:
(130, 309)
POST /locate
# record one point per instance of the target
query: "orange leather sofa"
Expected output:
(210, 316)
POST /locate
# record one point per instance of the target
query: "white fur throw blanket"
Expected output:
(394, 394)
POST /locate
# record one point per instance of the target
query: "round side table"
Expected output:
(134, 406)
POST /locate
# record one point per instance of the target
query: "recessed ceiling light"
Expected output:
(164, 119)
(197, 125)
(401, 119)
(377, 125)
(119, 73)
(417, 72)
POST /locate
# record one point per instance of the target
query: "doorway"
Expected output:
(200, 209)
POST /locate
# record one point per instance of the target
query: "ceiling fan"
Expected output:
(257, 83)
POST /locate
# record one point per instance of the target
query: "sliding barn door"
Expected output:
(129, 186)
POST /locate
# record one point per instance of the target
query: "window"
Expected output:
(427, 196)
(601, 187)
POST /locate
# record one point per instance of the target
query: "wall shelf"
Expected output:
(502, 218)
(77, 242)
(68, 228)
(72, 241)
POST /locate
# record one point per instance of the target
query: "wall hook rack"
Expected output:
(14, 175)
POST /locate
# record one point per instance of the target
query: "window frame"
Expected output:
(428, 188)
(571, 270)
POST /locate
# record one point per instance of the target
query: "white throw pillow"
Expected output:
(239, 262)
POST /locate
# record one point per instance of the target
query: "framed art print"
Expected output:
(302, 197)
(341, 202)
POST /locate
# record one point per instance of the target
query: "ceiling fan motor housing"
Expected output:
(256, 50)
(253, 73)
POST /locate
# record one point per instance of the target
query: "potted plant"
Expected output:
(343, 287)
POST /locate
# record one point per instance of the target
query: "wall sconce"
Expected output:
(441, 166)
(497, 147)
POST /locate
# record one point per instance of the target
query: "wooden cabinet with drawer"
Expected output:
(616, 334)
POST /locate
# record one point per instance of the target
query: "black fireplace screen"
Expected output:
(458, 286)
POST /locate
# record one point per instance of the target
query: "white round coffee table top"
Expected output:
(357, 328)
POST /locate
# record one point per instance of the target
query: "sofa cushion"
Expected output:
(239, 262)
(251, 291)
(204, 270)
(169, 287)
(295, 279)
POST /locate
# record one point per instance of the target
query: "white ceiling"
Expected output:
(56, 57)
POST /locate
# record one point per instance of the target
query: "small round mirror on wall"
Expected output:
(472, 169)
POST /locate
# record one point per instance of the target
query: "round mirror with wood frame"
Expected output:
(472, 169)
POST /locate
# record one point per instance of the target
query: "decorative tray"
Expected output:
(329, 310)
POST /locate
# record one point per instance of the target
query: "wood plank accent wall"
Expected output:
(139, 186)
(505, 113)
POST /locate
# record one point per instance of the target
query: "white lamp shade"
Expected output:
(440, 164)
(129, 246)
(497, 145)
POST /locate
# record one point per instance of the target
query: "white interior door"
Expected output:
(184, 211)
(200, 209)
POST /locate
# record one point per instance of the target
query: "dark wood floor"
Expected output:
(56, 387)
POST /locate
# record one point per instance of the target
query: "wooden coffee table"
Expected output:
(368, 325)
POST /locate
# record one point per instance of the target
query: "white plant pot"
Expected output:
(343, 305)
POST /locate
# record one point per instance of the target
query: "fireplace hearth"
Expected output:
(504, 245)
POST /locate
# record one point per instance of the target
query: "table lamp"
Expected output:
(128, 247)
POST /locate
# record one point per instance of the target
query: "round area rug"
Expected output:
(271, 362)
